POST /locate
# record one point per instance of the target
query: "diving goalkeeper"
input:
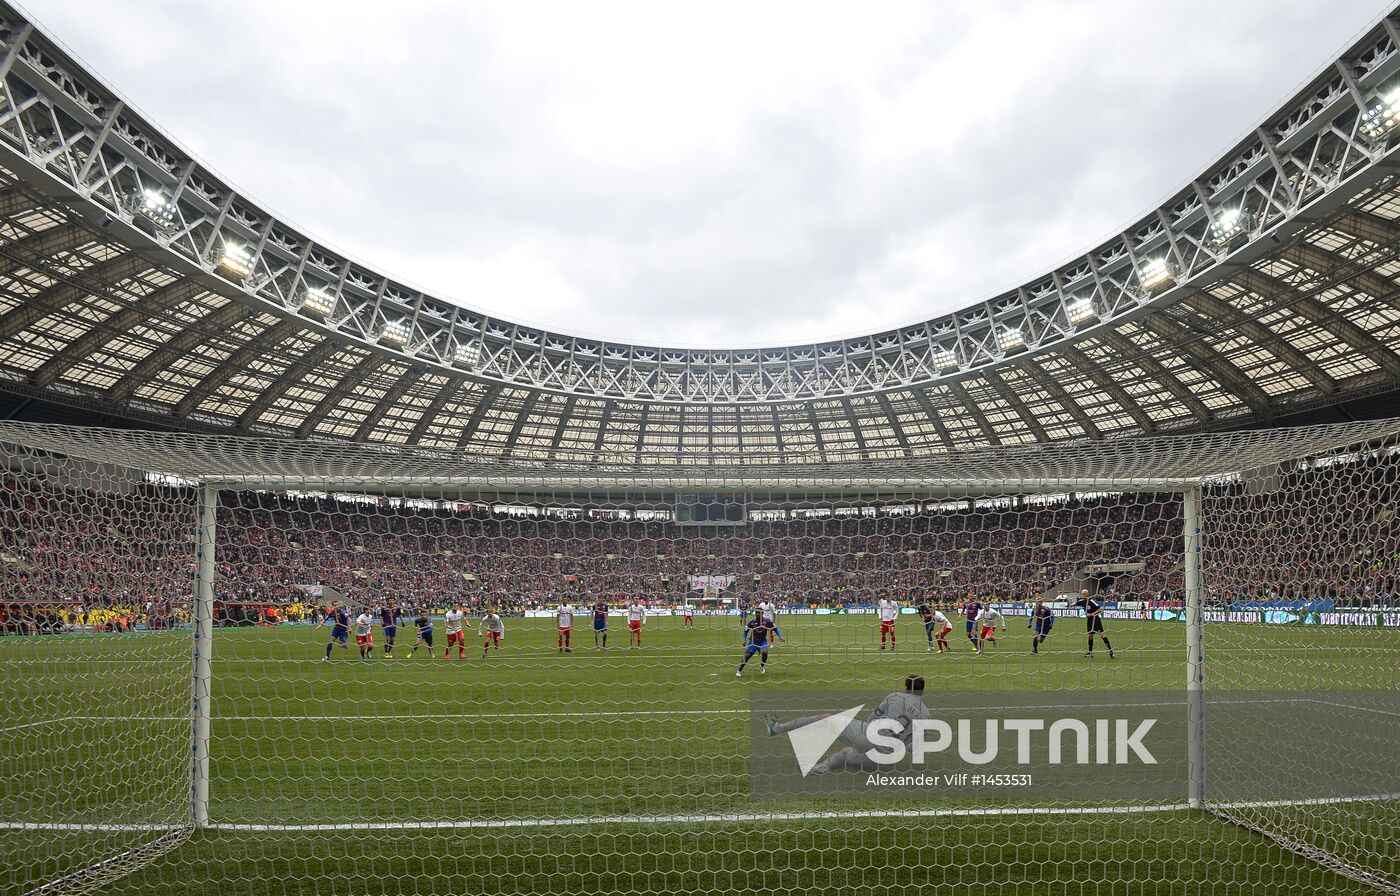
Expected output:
(905, 707)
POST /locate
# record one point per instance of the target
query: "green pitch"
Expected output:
(597, 771)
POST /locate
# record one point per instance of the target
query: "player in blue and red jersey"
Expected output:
(600, 625)
(1042, 621)
(758, 635)
(973, 609)
(338, 618)
(389, 620)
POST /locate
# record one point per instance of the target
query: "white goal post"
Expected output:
(123, 554)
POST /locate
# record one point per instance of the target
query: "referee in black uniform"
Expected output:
(1093, 615)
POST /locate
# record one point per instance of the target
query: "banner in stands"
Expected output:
(700, 583)
(1363, 618)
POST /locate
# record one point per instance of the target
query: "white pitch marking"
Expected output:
(37, 724)
(715, 818)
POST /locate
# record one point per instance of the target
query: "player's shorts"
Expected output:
(886, 626)
(971, 624)
(456, 638)
(1095, 623)
(493, 638)
(634, 624)
(340, 634)
(688, 615)
(928, 625)
(362, 640)
(566, 628)
(1043, 626)
(946, 630)
(600, 625)
(426, 636)
(987, 631)
(390, 631)
(754, 648)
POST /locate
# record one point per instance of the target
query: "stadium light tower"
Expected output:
(944, 359)
(1156, 275)
(318, 302)
(395, 331)
(1378, 121)
(236, 261)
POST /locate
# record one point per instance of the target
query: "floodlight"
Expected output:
(1155, 274)
(395, 331)
(944, 359)
(468, 353)
(1010, 338)
(1080, 310)
(318, 301)
(1228, 224)
(156, 208)
(237, 260)
(1378, 121)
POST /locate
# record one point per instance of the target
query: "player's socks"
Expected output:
(328, 651)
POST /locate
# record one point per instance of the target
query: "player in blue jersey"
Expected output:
(424, 624)
(600, 625)
(972, 609)
(338, 618)
(1041, 622)
(758, 636)
(389, 620)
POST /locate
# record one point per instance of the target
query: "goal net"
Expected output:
(199, 683)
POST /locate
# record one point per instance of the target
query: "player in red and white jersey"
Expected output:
(493, 630)
(991, 621)
(687, 616)
(936, 625)
(564, 616)
(889, 612)
(636, 618)
(364, 634)
(452, 624)
(770, 612)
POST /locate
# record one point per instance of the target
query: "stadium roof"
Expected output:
(1152, 463)
(135, 281)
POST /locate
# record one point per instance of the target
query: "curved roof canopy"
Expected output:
(134, 280)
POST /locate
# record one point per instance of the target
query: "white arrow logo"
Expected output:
(810, 742)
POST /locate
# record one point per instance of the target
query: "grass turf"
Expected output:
(94, 729)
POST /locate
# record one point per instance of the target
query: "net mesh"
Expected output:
(519, 767)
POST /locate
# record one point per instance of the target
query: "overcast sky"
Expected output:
(712, 174)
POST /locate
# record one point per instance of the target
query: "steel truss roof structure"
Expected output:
(1150, 463)
(134, 280)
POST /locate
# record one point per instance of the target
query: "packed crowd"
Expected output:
(116, 560)
(274, 541)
